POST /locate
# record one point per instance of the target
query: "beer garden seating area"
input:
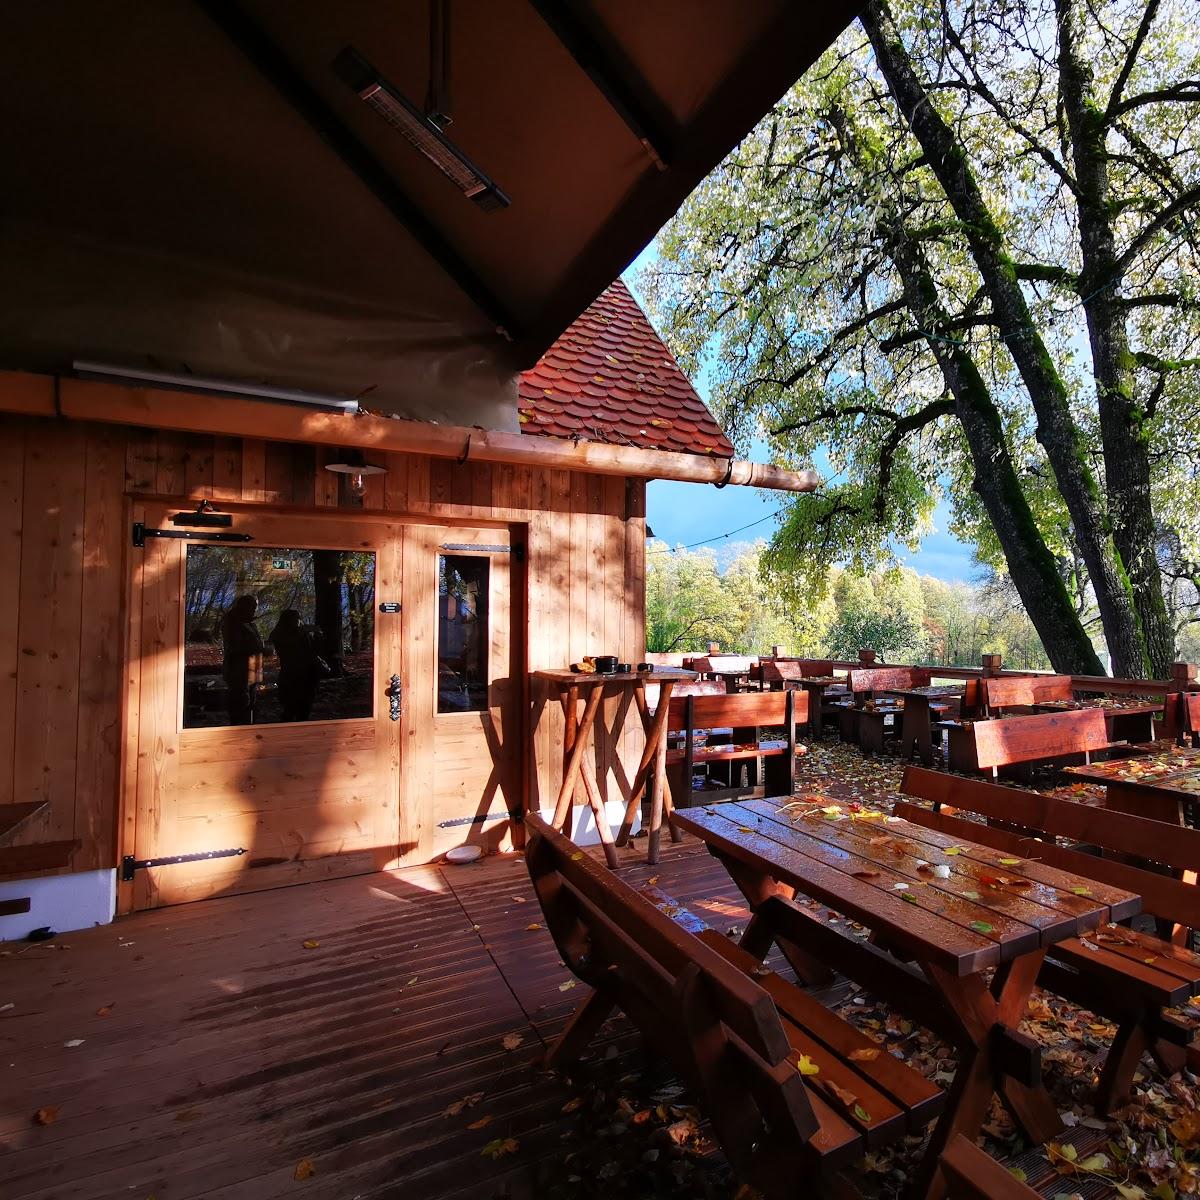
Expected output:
(902, 915)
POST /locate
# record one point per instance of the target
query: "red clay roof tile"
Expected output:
(610, 378)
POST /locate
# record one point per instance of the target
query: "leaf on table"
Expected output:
(1081, 891)
(864, 874)
(981, 927)
(468, 1101)
(532, 926)
(952, 850)
(865, 1054)
(941, 871)
(862, 1114)
(900, 887)
(744, 829)
(304, 1170)
(310, 944)
(970, 895)
(909, 898)
(517, 899)
(1010, 862)
(73, 1043)
(104, 1010)
(567, 986)
(46, 1116)
(577, 856)
(841, 1094)
(806, 1066)
(481, 1122)
(499, 1147)
(511, 1041)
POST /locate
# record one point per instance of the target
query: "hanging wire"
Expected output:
(719, 536)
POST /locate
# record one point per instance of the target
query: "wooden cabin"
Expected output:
(196, 292)
(452, 580)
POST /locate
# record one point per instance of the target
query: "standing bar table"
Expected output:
(651, 773)
(917, 726)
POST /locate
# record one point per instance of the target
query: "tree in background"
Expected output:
(961, 255)
(902, 616)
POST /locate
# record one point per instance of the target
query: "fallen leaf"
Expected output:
(304, 1169)
(1082, 891)
(862, 1114)
(566, 987)
(952, 850)
(865, 1055)
(574, 1105)
(865, 874)
(806, 1066)
(499, 1147)
(1018, 1174)
(468, 1101)
(517, 899)
(849, 1099)
(481, 1122)
(104, 1011)
(532, 926)
(311, 944)
(73, 1043)
(1186, 1130)
(744, 829)
(1010, 862)
(46, 1116)
(970, 895)
(511, 1041)
(981, 927)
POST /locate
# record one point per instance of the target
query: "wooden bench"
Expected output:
(1127, 976)
(734, 1030)
(745, 714)
(865, 719)
(1015, 741)
(1181, 718)
(1004, 693)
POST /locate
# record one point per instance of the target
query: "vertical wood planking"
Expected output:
(420, 583)
(418, 483)
(49, 627)
(171, 475)
(254, 469)
(198, 466)
(131, 689)
(141, 460)
(395, 483)
(102, 639)
(12, 475)
(227, 468)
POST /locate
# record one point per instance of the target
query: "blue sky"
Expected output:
(684, 513)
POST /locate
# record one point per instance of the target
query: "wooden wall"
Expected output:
(66, 540)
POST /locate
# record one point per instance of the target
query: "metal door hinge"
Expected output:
(129, 864)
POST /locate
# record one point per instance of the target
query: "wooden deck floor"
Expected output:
(204, 1051)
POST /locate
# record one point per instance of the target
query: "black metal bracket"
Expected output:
(393, 694)
(515, 818)
(141, 533)
(129, 864)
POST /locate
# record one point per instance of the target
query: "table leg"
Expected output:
(655, 730)
(599, 816)
(574, 760)
(916, 729)
(758, 889)
(979, 1011)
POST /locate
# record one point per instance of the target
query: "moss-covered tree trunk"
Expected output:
(1056, 429)
(1123, 418)
(1030, 563)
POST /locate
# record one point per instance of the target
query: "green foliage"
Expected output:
(902, 616)
(778, 279)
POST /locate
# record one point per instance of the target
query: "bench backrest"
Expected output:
(741, 710)
(1155, 841)
(716, 1024)
(775, 671)
(1021, 691)
(723, 664)
(876, 679)
(1010, 740)
(699, 687)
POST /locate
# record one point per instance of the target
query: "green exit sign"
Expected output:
(282, 564)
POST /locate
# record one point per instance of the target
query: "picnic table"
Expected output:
(816, 686)
(1163, 785)
(955, 908)
(916, 728)
(651, 772)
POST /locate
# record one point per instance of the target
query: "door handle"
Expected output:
(393, 693)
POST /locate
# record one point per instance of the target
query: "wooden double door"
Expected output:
(285, 695)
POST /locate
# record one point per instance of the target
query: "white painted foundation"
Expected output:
(583, 824)
(64, 902)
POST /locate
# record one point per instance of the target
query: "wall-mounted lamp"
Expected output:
(357, 469)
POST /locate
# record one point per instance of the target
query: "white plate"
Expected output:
(464, 854)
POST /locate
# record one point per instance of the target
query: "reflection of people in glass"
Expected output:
(242, 661)
(299, 665)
